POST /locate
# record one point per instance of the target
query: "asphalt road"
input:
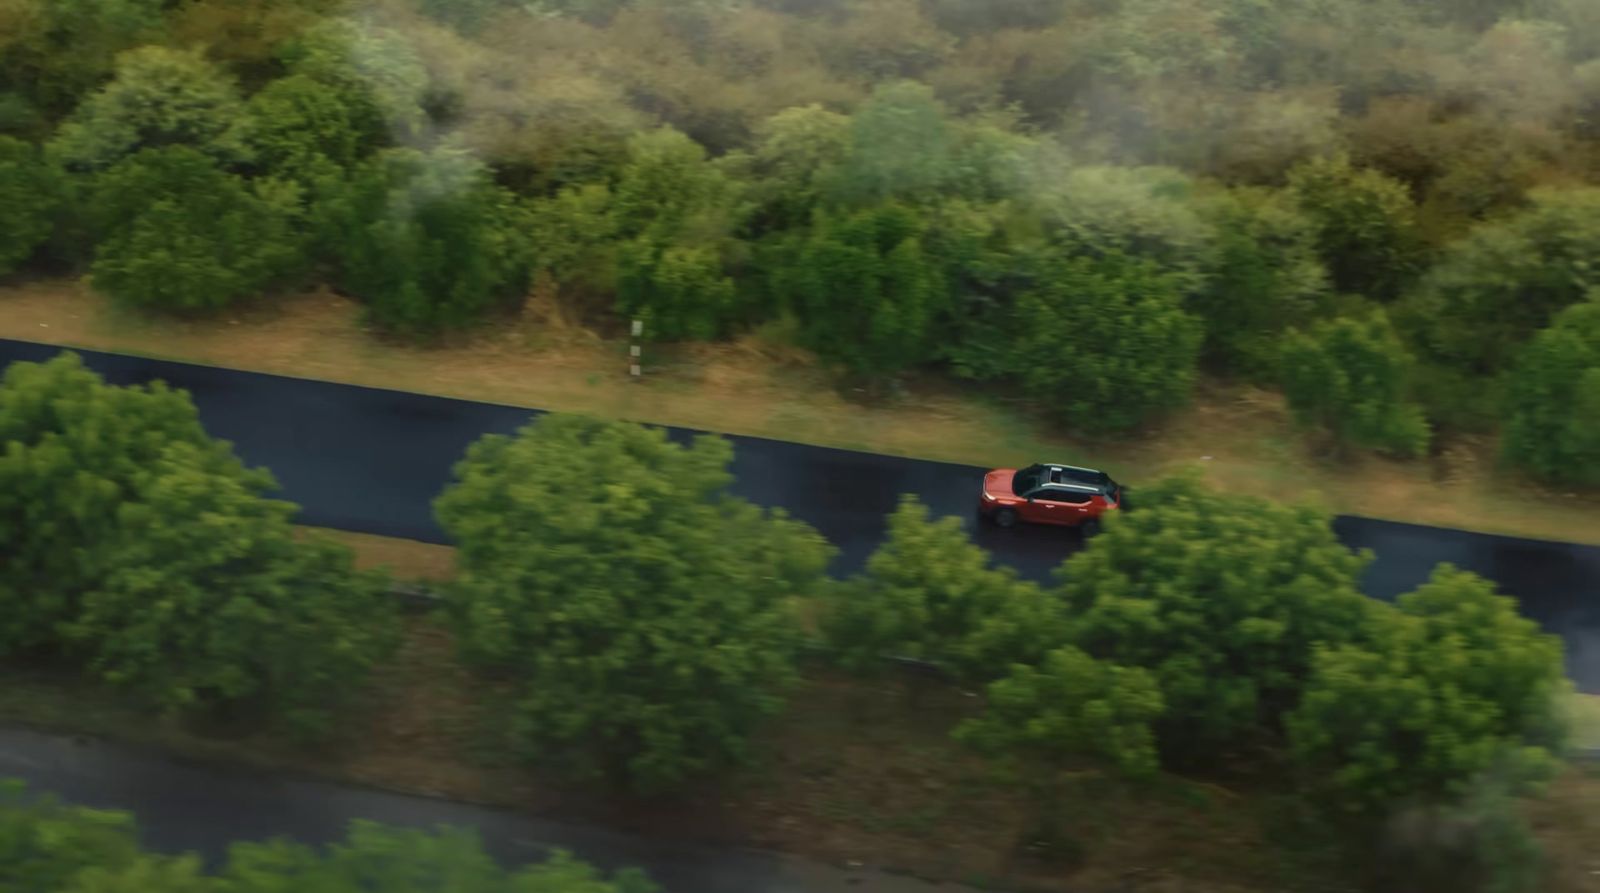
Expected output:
(372, 460)
(194, 808)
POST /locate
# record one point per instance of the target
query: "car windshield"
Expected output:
(1026, 480)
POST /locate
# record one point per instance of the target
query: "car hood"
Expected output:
(998, 482)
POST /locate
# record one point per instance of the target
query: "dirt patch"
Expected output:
(407, 560)
(757, 386)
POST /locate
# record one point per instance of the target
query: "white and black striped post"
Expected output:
(633, 349)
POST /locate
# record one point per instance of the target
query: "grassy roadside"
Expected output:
(1241, 436)
(853, 772)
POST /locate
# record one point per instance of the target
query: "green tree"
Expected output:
(1553, 399)
(1103, 343)
(407, 860)
(205, 597)
(648, 621)
(160, 97)
(680, 291)
(1223, 598)
(1069, 705)
(1148, 213)
(75, 449)
(668, 190)
(1448, 687)
(865, 289)
(929, 593)
(302, 129)
(1349, 377)
(47, 846)
(146, 551)
(791, 166)
(375, 69)
(180, 234)
(428, 241)
(30, 191)
(45, 843)
(576, 238)
(900, 148)
(53, 52)
(1492, 290)
(1264, 278)
(1365, 224)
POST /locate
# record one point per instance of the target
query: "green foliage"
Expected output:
(1071, 704)
(1349, 377)
(141, 548)
(30, 190)
(794, 161)
(74, 450)
(1552, 402)
(866, 290)
(49, 847)
(1506, 280)
(180, 234)
(45, 843)
(1102, 343)
(55, 51)
(1365, 224)
(205, 596)
(427, 241)
(1143, 212)
(1223, 598)
(405, 860)
(899, 149)
(1265, 277)
(680, 292)
(160, 97)
(574, 233)
(645, 614)
(929, 593)
(667, 190)
(1442, 691)
(375, 68)
(302, 129)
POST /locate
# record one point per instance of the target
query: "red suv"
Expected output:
(1049, 494)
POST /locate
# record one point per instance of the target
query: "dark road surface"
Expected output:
(191, 808)
(372, 460)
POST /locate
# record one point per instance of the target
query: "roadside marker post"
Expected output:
(633, 350)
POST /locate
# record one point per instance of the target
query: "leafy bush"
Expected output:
(142, 549)
(1072, 704)
(1552, 404)
(427, 241)
(30, 191)
(1441, 691)
(180, 234)
(647, 620)
(1365, 223)
(47, 846)
(1223, 598)
(1103, 344)
(1350, 378)
(928, 592)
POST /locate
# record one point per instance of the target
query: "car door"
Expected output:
(1068, 507)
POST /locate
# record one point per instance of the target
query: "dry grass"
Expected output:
(405, 559)
(1242, 437)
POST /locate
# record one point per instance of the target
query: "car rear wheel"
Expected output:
(1005, 517)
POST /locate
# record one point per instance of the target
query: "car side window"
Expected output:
(1070, 497)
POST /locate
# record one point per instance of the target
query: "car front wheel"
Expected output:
(1090, 527)
(1005, 517)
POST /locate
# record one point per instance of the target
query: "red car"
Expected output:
(1049, 494)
